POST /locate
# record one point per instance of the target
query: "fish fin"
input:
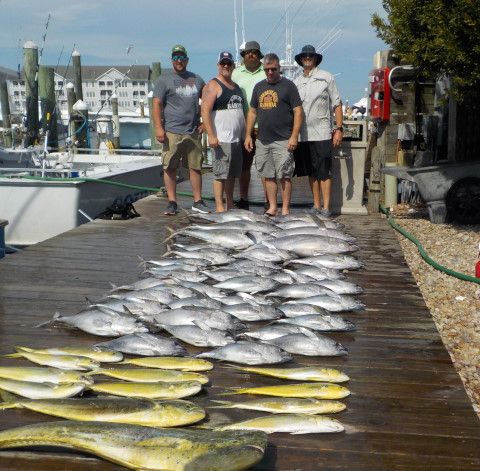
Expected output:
(173, 233)
(202, 325)
(308, 333)
(142, 263)
(268, 245)
(97, 371)
(9, 400)
(56, 316)
(12, 355)
(19, 348)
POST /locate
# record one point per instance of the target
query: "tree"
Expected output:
(436, 36)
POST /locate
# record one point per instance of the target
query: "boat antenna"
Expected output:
(235, 29)
(44, 38)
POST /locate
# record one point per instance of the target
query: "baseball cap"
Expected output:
(179, 49)
(225, 55)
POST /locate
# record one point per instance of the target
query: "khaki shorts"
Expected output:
(227, 160)
(274, 160)
(185, 148)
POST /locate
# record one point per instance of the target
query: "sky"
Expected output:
(122, 32)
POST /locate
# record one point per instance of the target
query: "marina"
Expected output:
(407, 408)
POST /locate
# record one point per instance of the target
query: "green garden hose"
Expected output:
(424, 254)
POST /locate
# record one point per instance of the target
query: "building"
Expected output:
(99, 82)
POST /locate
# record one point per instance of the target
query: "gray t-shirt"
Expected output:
(179, 95)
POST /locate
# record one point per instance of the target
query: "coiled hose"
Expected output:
(423, 253)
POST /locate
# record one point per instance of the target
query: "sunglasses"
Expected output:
(224, 63)
(179, 58)
(308, 56)
(251, 51)
(270, 69)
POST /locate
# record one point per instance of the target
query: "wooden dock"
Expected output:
(408, 409)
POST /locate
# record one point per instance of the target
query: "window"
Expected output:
(110, 83)
(134, 83)
(101, 84)
(60, 83)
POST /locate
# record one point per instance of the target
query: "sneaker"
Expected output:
(325, 212)
(200, 207)
(172, 209)
(242, 204)
(266, 206)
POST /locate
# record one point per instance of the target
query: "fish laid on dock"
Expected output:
(295, 424)
(315, 390)
(102, 355)
(302, 373)
(146, 448)
(117, 410)
(151, 375)
(41, 390)
(171, 363)
(37, 374)
(282, 405)
(63, 362)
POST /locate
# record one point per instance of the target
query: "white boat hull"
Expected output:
(39, 210)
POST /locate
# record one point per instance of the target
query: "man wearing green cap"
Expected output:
(176, 116)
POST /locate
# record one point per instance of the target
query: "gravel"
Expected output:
(453, 303)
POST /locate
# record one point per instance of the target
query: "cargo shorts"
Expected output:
(185, 148)
(274, 160)
(227, 160)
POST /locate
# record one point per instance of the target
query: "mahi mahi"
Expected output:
(315, 390)
(36, 374)
(103, 355)
(41, 390)
(294, 424)
(151, 375)
(119, 410)
(146, 448)
(302, 373)
(64, 362)
(279, 405)
(171, 363)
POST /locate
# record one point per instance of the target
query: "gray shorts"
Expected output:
(227, 160)
(274, 160)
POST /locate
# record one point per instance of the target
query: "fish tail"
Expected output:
(172, 235)
(12, 355)
(19, 348)
(142, 262)
(97, 371)
(9, 400)
(56, 316)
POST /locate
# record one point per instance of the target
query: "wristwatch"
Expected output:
(339, 128)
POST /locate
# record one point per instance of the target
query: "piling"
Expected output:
(30, 68)
(115, 121)
(7, 125)
(142, 109)
(154, 144)
(375, 180)
(155, 73)
(81, 116)
(46, 92)
(77, 74)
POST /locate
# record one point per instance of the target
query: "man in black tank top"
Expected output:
(224, 121)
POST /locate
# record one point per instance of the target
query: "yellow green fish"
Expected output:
(171, 363)
(38, 374)
(315, 390)
(151, 375)
(280, 405)
(41, 390)
(146, 448)
(119, 410)
(100, 354)
(63, 362)
(149, 390)
(304, 373)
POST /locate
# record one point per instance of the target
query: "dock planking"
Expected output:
(408, 408)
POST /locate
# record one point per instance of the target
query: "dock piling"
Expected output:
(46, 92)
(30, 67)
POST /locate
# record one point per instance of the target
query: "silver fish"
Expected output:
(248, 284)
(249, 353)
(323, 323)
(299, 291)
(308, 230)
(264, 254)
(319, 273)
(308, 245)
(101, 322)
(202, 336)
(273, 331)
(204, 289)
(336, 303)
(309, 343)
(224, 238)
(341, 286)
(338, 262)
(214, 319)
(214, 256)
(251, 313)
(295, 310)
(146, 345)
(237, 225)
(221, 274)
(232, 215)
(196, 301)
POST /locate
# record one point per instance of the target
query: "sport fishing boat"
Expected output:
(63, 190)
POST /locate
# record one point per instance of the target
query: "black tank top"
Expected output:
(229, 99)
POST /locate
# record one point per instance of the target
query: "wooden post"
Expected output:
(154, 144)
(46, 92)
(71, 99)
(77, 74)
(30, 68)
(81, 109)
(155, 73)
(115, 121)
(142, 108)
(7, 125)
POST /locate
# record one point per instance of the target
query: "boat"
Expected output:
(66, 189)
